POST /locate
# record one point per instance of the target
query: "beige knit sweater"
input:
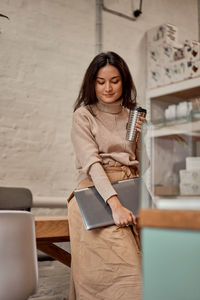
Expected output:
(99, 138)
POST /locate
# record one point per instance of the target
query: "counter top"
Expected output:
(176, 219)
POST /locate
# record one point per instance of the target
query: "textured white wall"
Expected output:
(45, 49)
(128, 37)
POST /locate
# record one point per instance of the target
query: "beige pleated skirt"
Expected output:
(106, 262)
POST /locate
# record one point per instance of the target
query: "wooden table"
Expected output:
(50, 230)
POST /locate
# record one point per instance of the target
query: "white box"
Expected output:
(155, 76)
(193, 163)
(190, 189)
(179, 70)
(154, 56)
(192, 50)
(186, 65)
(178, 52)
(193, 69)
(189, 176)
(167, 53)
(189, 69)
(183, 203)
(168, 74)
(166, 33)
(164, 54)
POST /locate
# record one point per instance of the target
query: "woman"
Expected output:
(106, 261)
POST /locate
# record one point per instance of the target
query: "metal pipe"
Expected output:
(140, 5)
(50, 202)
(114, 12)
(99, 5)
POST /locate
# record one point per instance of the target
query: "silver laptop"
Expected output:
(96, 212)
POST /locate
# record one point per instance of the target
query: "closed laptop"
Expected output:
(96, 212)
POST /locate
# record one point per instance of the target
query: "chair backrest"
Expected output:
(13, 198)
(18, 256)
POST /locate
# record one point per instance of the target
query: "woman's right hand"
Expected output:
(121, 215)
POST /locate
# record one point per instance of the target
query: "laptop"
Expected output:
(96, 213)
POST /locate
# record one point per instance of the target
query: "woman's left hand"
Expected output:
(139, 123)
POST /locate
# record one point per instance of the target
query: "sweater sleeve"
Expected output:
(87, 154)
(101, 181)
(85, 146)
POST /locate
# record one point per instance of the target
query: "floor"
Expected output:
(53, 281)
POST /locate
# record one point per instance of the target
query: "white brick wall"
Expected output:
(45, 48)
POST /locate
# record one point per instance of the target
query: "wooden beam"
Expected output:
(50, 230)
(55, 252)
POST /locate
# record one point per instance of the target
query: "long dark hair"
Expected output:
(87, 93)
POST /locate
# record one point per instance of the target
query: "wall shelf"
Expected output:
(169, 143)
(182, 89)
(189, 128)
